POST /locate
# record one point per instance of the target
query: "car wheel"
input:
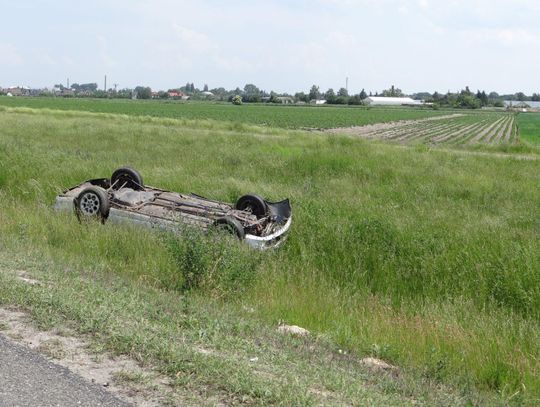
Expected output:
(92, 202)
(127, 177)
(252, 203)
(230, 225)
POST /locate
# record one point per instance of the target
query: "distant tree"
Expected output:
(535, 97)
(301, 97)
(355, 100)
(422, 96)
(220, 93)
(192, 87)
(163, 95)
(493, 95)
(363, 94)
(205, 89)
(467, 101)
(314, 93)
(252, 93)
(124, 93)
(466, 91)
(508, 97)
(343, 92)
(484, 98)
(273, 97)
(392, 92)
(91, 87)
(330, 96)
(236, 100)
(143, 92)
(521, 96)
(436, 97)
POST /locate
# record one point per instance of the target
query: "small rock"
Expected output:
(255, 359)
(293, 330)
(377, 364)
(106, 384)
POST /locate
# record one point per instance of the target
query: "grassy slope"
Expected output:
(529, 127)
(428, 259)
(280, 116)
(214, 352)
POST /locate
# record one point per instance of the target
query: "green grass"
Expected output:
(213, 352)
(529, 127)
(426, 258)
(277, 116)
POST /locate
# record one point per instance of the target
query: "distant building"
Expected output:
(317, 101)
(391, 101)
(67, 92)
(175, 94)
(18, 91)
(285, 100)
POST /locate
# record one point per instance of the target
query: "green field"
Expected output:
(529, 127)
(426, 258)
(279, 116)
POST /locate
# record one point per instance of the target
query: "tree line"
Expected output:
(250, 93)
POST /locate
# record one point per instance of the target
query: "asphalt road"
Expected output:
(28, 379)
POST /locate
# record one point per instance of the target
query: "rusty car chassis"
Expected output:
(125, 199)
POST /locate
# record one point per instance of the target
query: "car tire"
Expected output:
(252, 203)
(230, 225)
(127, 177)
(92, 202)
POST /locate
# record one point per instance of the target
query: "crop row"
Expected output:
(492, 128)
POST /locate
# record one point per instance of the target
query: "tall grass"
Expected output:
(427, 258)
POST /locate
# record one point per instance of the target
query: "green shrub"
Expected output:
(237, 100)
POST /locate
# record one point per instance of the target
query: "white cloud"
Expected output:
(192, 39)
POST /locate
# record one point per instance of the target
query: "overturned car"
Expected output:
(124, 198)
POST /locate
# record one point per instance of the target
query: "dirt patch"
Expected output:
(120, 375)
(371, 129)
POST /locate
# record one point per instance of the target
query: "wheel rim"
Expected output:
(89, 204)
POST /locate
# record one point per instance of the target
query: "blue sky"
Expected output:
(417, 45)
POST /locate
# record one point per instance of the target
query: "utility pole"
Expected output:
(105, 84)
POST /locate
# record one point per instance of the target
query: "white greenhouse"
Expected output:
(391, 101)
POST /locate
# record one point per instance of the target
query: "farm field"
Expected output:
(529, 127)
(425, 258)
(274, 116)
(455, 129)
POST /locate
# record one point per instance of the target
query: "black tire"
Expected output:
(92, 202)
(127, 177)
(252, 203)
(230, 225)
